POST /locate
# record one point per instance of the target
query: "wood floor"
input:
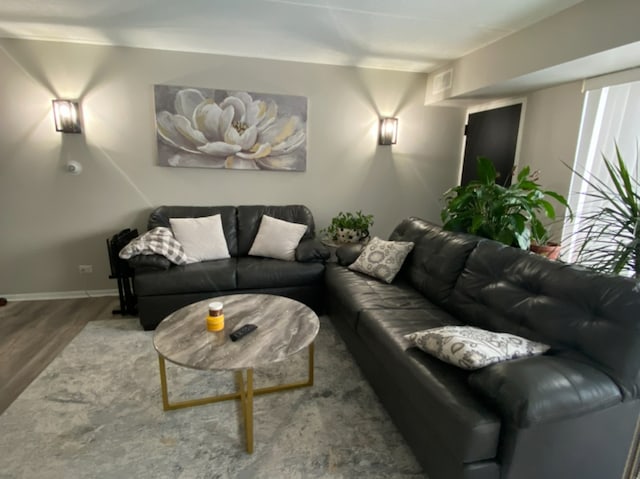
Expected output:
(33, 333)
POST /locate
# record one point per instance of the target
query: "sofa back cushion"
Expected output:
(160, 217)
(437, 259)
(580, 313)
(250, 216)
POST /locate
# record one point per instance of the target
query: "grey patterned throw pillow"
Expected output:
(160, 241)
(382, 259)
(473, 348)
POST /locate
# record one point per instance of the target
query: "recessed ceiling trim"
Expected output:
(419, 36)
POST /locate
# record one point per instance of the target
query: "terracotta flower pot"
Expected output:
(549, 250)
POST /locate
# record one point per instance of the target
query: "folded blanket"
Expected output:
(160, 241)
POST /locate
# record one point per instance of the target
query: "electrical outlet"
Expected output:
(85, 268)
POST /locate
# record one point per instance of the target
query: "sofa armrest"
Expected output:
(312, 250)
(348, 253)
(149, 262)
(542, 389)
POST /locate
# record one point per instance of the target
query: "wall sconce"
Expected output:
(67, 116)
(388, 131)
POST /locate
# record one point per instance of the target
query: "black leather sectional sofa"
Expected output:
(567, 414)
(162, 287)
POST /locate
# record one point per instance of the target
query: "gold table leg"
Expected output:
(245, 394)
(246, 400)
(169, 406)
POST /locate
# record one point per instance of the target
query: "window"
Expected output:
(611, 115)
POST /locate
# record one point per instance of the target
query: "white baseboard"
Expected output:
(94, 293)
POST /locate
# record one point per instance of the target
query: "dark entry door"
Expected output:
(494, 134)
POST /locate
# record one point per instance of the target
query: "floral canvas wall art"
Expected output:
(211, 128)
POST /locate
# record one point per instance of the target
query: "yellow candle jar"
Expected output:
(215, 320)
(215, 323)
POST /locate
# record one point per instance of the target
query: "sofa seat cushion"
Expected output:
(206, 276)
(356, 292)
(254, 272)
(545, 388)
(449, 409)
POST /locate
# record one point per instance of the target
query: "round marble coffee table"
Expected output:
(285, 326)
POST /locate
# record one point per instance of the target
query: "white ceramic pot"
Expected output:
(347, 235)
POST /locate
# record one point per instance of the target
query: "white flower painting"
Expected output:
(207, 128)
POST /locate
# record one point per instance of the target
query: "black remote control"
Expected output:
(243, 331)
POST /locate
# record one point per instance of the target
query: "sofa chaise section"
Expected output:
(568, 413)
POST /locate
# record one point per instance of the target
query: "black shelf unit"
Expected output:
(122, 272)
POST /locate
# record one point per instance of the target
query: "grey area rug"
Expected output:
(96, 412)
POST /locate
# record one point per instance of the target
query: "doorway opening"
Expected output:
(493, 132)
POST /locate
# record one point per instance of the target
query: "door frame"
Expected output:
(492, 105)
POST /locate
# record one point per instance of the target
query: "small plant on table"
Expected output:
(349, 227)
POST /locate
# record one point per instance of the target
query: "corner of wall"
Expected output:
(439, 83)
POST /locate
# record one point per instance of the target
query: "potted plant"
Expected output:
(610, 236)
(349, 227)
(610, 233)
(509, 214)
(542, 244)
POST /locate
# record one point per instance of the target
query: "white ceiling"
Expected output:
(409, 35)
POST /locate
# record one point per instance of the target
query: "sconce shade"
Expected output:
(67, 116)
(388, 131)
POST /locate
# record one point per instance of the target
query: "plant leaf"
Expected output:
(486, 171)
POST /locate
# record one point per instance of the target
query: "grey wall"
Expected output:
(592, 31)
(52, 221)
(550, 135)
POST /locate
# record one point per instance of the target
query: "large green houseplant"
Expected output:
(509, 214)
(610, 233)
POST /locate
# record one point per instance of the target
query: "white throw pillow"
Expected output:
(382, 259)
(277, 239)
(202, 238)
(473, 348)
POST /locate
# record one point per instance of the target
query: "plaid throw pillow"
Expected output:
(160, 241)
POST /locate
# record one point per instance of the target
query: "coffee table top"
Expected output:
(285, 326)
